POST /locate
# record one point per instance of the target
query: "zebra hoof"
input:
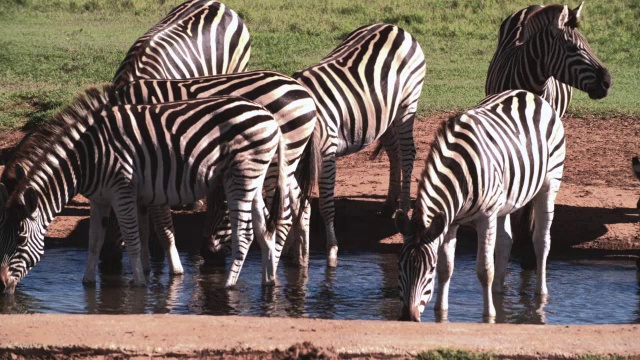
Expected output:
(332, 257)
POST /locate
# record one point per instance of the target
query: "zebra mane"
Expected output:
(436, 149)
(544, 15)
(35, 146)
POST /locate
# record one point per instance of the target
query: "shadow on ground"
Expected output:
(359, 227)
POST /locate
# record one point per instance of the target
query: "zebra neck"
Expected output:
(525, 66)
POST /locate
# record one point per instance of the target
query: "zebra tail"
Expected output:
(308, 172)
(523, 235)
(376, 152)
(277, 205)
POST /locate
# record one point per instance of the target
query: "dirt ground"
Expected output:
(596, 216)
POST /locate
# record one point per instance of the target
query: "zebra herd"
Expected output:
(184, 120)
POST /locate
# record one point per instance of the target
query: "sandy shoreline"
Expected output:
(193, 336)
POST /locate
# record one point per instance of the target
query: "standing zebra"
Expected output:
(292, 107)
(483, 165)
(140, 155)
(197, 38)
(541, 50)
(366, 89)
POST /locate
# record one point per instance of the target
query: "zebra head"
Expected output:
(19, 251)
(417, 261)
(570, 59)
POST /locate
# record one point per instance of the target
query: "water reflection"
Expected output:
(363, 286)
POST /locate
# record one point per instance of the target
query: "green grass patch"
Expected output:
(59, 47)
(448, 354)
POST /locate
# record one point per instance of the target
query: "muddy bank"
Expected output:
(194, 336)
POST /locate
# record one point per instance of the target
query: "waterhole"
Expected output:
(363, 286)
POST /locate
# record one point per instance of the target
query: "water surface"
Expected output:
(363, 286)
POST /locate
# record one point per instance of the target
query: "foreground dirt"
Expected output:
(595, 217)
(241, 337)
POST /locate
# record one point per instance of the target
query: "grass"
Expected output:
(52, 49)
(448, 354)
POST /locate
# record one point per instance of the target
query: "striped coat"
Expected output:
(129, 155)
(483, 165)
(197, 38)
(366, 89)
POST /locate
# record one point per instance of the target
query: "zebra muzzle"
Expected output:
(8, 281)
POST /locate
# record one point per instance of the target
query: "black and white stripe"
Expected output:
(366, 89)
(197, 38)
(292, 107)
(540, 49)
(149, 155)
(483, 165)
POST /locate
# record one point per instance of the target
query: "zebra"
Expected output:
(197, 38)
(635, 166)
(292, 107)
(366, 89)
(484, 164)
(127, 156)
(540, 49)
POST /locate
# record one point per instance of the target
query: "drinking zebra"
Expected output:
(366, 89)
(197, 38)
(128, 156)
(484, 164)
(294, 110)
(540, 49)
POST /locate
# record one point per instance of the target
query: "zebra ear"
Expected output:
(563, 19)
(4, 195)
(30, 198)
(437, 226)
(402, 223)
(576, 11)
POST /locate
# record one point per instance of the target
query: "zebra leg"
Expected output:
(240, 202)
(163, 224)
(326, 184)
(486, 229)
(217, 231)
(266, 241)
(98, 220)
(504, 241)
(446, 255)
(389, 141)
(143, 225)
(543, 208)
(300, 234)
(404, 132)
(126, 210)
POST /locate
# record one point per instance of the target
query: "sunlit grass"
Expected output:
(52, 49)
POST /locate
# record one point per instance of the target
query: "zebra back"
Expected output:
(289, 102)
(197, 38)
(376, 73)
(507, 146)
